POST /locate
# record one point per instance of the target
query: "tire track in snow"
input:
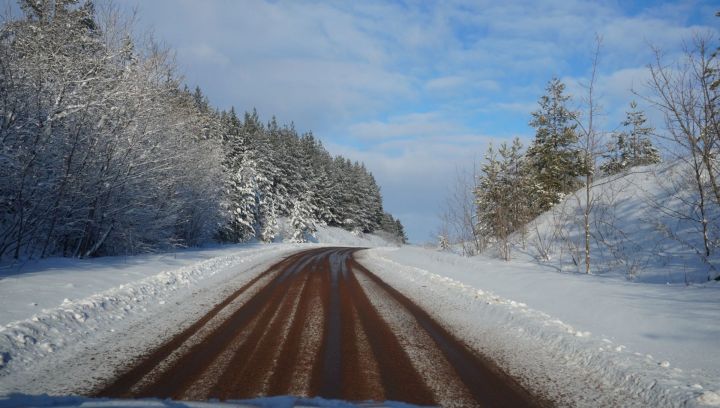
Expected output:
(319, 324)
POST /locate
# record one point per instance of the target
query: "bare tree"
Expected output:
(686, 93)
(589, 140)
(459, 216)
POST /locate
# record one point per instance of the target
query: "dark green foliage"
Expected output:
(394, 227)
(631, 147)
(553, 157)
(502, 194)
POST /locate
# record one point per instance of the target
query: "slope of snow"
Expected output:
(644, 225)
(52, 335)
(581, 340)
(33, 286)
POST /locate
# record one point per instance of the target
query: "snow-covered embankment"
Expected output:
(579, 340)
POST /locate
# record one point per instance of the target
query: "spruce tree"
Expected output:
(554, 157)
(631, 147)
(302, 219)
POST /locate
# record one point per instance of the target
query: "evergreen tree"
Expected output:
(401, 231)
(270, 226)
(553, 157)
(302, 220)
(502, 194)
(394, 227)
(631, 147)
(104, 151)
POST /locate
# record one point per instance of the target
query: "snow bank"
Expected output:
(61, 329)
(55, 308)
(581, 340)
(641, 224)
(31, 287)
(337, 236)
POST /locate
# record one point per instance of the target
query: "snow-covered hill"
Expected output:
(645, 226)
(641, 330)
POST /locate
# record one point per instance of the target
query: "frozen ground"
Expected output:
(580, 340)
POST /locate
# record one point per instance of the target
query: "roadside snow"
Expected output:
(119, 323)
(644, 226)
(34, 286)
(580, 340)
(66, 324)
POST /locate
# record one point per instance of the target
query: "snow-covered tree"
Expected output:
(502, 195)
(443, 242)
(270, 227)
(302, 220)
(554, 157)
(105, 151)
(393, 227)
(632, 146)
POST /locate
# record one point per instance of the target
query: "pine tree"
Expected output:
(302, 220)
(489, 195)
(443, 242)
(502, 194)
(554, 158)
(270, 226)
(393, 227)
(401, 231)
(631, 147)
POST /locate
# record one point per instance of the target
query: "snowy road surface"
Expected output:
(310, 325)
(122, 326)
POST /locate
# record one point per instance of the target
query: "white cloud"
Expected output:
(414, 125)
(352, 70)
(445, 83)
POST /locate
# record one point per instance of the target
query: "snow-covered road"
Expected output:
(574, 340)
(319, 324)
(63, 349)
(582, 340)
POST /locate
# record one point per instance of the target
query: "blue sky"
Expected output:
(417, 89)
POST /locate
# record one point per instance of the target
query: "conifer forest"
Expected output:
(105, 151)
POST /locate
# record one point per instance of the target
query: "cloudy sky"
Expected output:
(418, 89)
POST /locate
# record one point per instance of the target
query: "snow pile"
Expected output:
(58, 329)
(28, 288)
(579, 340)
(645, 226)
(339, 236)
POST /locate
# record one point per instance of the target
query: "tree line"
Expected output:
(104, 151)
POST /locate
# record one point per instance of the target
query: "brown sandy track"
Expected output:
(350, 352)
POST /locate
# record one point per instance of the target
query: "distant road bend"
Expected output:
(319, 324)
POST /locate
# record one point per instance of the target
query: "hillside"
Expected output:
(644, 224)
(640, 330)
